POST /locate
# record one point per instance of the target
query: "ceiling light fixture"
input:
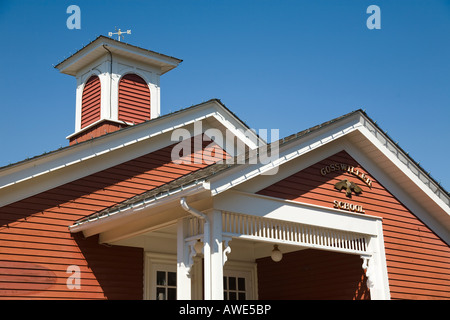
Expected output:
(276, 255)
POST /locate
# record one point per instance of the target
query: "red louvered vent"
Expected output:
(90, 105)
(134, 99)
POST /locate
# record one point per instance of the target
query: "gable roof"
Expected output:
(36, 174)
(211, 176)
(145, 123)
(61, 160)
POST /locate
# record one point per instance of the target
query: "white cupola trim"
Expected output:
(111, 60)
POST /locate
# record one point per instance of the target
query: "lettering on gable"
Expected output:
(346, 168)
(350, 187)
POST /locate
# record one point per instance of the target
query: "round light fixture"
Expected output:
(276, 255)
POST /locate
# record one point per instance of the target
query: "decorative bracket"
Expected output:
(227, 249)
(368, 268)
(192, 253)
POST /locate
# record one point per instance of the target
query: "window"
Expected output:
(234, 288)
(166, 285)
(160, 277)
(239, 279)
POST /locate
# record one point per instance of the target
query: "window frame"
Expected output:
(246, 270)
(168, 262)
(156, 262)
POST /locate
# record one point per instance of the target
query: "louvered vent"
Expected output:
(134, 99)
(90, 110)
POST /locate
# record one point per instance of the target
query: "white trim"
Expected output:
(81, 83)
(414, 174)
(95, 49)
(109, 82)
(283, 232)
(291, 167)
(428, 216)
(116, 217)
(152, 260)
(27, 178)
(368, 244)
(356, 123)
(415, 189)
(148, 74)
(184, 263)
(248, 270)
(288, 152)
(380, 289)
(292, 211)
(409, 168)
(151, 263)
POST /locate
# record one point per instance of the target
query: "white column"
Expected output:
(155, 95)
(377, 267)
(215, 218)
(105, 85)
(207, 260)
(114, 93)
(183, 278)
(78, 103)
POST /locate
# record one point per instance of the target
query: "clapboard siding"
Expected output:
(312, 275)
(134, 99)
(36, 246)
(116, 273)
(90, 102)
(417, 259)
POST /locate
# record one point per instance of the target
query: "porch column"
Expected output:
(207, 259)
(376, 268)
(183, 278)
(216, 271)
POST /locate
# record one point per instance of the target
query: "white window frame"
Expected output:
(238, 274)
(156, 262)
(246, 270)
(154, 278)
(168, 262)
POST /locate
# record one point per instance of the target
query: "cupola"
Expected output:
(117, 86)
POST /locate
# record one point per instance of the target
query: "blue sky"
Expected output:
(286, 64)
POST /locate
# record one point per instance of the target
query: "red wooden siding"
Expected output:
(134, 99)
(36, 246)
(417, 259)
(312, 275)
(90, 105)
(96, 131)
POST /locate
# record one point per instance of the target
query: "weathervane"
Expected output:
(119, 33)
